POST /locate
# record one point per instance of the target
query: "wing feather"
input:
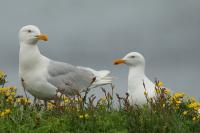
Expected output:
(69, 78)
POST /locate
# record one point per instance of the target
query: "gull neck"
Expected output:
(29, 56)
(137, 71)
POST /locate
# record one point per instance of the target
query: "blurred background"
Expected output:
(93, 33)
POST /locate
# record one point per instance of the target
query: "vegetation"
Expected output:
(165, 113)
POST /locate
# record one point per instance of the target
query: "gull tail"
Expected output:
(102, 77)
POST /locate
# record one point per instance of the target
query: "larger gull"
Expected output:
(136, 78)
(44, 78)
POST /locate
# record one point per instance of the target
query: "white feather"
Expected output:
(102, 76)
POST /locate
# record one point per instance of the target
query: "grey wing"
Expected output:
(68, 78)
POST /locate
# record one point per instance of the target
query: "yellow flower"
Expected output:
(195, 106)
(2, 74)
(163, 105)
(102, 100)
(4, 90)
(13, 93)
(177, 101)
(159, 84)
(2, 114)
(185, 112)
(167, 91)
(23, 100)
(86, 115)
(7, 93)
(83, 116)
(79, 99)
(13, 88)
(194, 118)
(157, 90)
(7, 111)
(7, 90)
(145, 93)
(66, 99)
(192, 99)
(178, 95)
(50, 106)
(10, 99)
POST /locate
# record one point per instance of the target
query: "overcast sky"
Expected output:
(93, 33)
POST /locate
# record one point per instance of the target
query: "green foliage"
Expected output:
(82, 114)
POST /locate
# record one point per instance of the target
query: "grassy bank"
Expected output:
(165, 113)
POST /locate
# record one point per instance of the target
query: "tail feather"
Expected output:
(102, 77)
(103, 73)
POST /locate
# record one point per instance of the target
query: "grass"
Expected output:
(165, 113)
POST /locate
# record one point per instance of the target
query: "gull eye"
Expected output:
(29, 31)
(132, 56)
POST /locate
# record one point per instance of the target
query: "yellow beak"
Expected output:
(42, 37)
(118, 61)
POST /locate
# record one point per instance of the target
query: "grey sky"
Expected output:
(93, 33)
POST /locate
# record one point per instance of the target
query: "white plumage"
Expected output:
(43, 77)
(136, 78)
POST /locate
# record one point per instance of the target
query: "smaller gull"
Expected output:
(136, 63)
(44, 78)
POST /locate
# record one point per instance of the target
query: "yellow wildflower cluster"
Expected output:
(167, 91)
(23, 100)
(66, 99)
(196, 118)
(160, 89)
(9, 93)
(78, 99)
(5, 112)
(191, 100)
(185, 112)
(2, 77)
(177, 98)
(178, 95)
(195, 105)
(192, 107)
(7, 90)
(2, 74)
(65, 102)
(159, 84)
(50, 106)
(188, 106)
(102, 101)
(84, 116)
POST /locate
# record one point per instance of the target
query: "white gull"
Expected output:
(44, 78)
(136, 63)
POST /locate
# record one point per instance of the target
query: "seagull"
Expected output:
(44, 78)
(138, 82)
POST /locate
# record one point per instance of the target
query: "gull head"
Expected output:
(132, 59)
(31, 34)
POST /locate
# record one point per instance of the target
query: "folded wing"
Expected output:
(68, 78)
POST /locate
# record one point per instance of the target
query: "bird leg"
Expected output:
(35, 101)
(45, 104)
(23, 85)
(58, 97)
